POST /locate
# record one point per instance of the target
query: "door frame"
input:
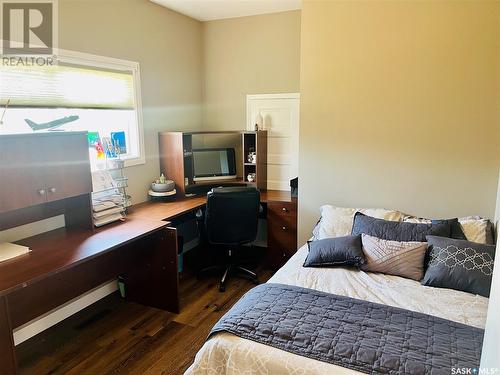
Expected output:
(285, 95)
(251, 97)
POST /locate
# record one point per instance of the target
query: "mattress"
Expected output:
(228, 354)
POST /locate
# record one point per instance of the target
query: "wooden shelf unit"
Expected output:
(176, 158)
(256, 142)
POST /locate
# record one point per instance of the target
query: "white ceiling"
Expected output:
(208, 10)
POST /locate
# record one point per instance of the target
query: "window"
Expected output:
(101, 94)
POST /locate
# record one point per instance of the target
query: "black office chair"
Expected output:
(231, 220)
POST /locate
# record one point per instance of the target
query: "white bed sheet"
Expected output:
(228, 354)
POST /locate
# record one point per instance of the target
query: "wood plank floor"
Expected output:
(118, 337)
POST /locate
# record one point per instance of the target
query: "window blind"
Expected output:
(65, 86)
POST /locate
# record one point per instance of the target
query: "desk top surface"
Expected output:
(54, 251)
(61, 249)
(170, 210)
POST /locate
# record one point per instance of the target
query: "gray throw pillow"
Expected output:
(335, 252)
(405, 259)
(397, 230)
(455, 227)
(460, 265)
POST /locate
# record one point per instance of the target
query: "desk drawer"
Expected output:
(283, 209)
(283, 215)
(282, 236)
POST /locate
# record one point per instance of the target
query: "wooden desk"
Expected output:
(281, 220)
(170, 210)
(64, 264)
(158, 211)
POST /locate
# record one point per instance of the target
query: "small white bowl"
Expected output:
(161, 188)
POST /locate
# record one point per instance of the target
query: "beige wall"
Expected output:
(183, 60)
(399, 107)
(168, 47)
(248, 55)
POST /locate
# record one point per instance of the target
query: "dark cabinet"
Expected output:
(41, 168)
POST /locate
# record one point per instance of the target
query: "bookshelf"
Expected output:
(255, 142)
(176, 158)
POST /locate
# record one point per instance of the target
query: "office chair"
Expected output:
(231, 220)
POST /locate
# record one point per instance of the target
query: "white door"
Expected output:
(280, 113)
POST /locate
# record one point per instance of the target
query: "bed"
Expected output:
(225, 353)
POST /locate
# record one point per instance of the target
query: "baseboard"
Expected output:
(37, 325)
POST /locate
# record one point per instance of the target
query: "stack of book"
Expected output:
(109, 202)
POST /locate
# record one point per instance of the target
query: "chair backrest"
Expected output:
(232, 215)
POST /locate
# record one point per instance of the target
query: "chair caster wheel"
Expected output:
(222, 288)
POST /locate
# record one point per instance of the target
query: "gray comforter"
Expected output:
(360, 335)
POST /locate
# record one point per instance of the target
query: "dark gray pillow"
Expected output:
(455, 227)
(397, 230)
(460, 265)
(335, 252)
(490, 233)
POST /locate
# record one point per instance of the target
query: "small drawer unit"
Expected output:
(281, 232)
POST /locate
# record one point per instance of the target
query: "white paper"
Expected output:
(108, 212)
(11, 250)
(102, 180)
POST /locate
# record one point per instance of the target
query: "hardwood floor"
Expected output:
(118, 337)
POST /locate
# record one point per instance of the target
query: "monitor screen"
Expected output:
(214, 163)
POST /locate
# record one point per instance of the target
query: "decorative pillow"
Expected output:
(460, 265)
(477, 229)
(404, 259)
(331, 252)
(337, 221)
(397, 231)
(474, 228)
(455, 227)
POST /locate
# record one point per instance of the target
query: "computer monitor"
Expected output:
(212, 164)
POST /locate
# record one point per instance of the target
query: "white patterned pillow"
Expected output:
(337, 221)
(476, 229)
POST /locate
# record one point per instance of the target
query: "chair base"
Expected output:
(229, 269)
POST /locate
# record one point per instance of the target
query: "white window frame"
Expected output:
(103, 62)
